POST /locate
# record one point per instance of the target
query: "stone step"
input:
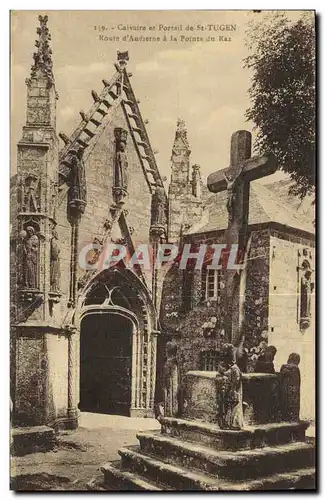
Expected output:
(116, 479)
(167, 474)
(226, 464)
(32, 439)
(250, 437)
(300, 479)
(180, 479)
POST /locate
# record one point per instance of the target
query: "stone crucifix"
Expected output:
(236, 180)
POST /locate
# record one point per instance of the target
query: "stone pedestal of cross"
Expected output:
(236, 180)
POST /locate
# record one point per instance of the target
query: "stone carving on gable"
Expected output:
(122, 59)
(121, 179)
(55, 272)
(77, 194)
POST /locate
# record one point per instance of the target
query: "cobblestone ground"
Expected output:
(78, 454)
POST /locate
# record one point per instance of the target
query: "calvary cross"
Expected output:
(236, 180)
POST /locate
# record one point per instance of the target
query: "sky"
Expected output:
(204, 83)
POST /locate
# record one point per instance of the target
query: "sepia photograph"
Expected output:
(162, 250)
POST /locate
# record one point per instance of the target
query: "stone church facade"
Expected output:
(93, 339)
(97, 186)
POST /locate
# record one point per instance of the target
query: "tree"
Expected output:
(282, 92)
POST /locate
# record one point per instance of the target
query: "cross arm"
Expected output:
(254, 168)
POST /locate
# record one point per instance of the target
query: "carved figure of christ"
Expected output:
(236, 180)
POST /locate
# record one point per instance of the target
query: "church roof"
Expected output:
(117, 92)
(267, 203)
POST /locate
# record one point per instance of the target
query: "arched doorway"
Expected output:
(118, 345)
(105, 363)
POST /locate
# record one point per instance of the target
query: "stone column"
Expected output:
(134, 368)
(72, 379)
(154, 337)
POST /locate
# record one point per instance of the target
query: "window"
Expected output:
(210, 284)
(209, 360)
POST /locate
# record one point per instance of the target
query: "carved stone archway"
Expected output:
(119, 291)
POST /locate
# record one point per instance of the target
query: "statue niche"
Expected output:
(120, 165)
(30, 258)
(29, 196)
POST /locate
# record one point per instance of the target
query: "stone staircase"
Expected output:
(196, 455)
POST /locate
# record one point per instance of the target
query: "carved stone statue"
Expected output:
(265, 362)
(171, 381)
(30, 195)
(159, 206)
(30, 259)
(55, 273)
(306, 289)
(290, 389)
(121, 162)
(77, 194)
(229, 390)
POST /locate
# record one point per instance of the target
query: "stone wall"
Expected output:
(185, 318)
(99, 178)
(257, 288)
(284, 329)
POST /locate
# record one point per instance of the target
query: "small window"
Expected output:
(210, 284)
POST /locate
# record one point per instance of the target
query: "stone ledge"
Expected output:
(245, 376)
(243, 464)
(32, 439)
(250, 437)
(122, 480)
(172, 475)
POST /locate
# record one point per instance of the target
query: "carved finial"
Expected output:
(181, 128)
(122, 59)
(95, 96)
(43, 56)
(105, 83)
(64, 137)
(181, 133)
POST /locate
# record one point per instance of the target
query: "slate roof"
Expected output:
(268, 203)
